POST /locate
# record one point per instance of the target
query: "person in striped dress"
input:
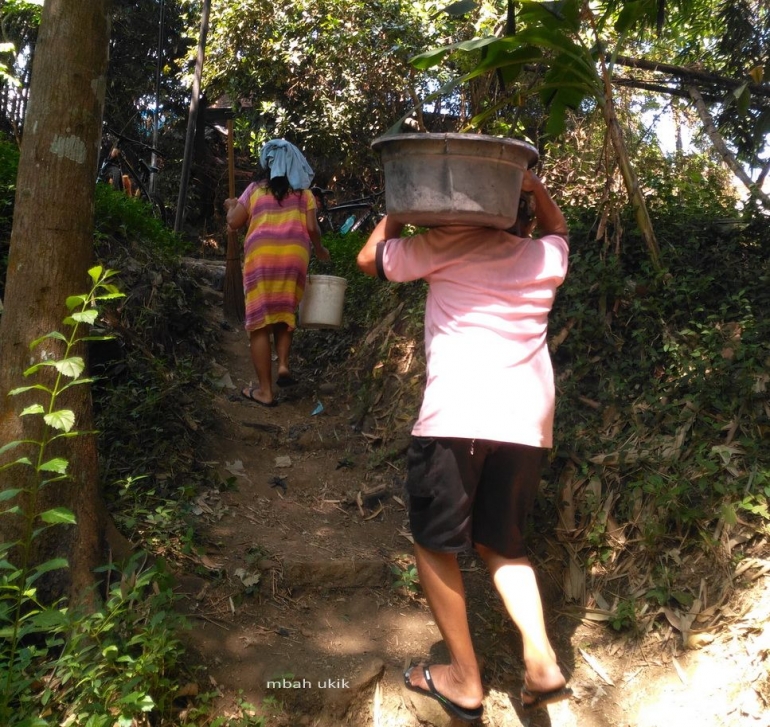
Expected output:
(282, 226)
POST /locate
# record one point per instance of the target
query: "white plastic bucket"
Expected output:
(321, 305)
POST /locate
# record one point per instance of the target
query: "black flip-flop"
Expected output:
(463, 713)
(247, 392)
(285, 380)
(539, 700)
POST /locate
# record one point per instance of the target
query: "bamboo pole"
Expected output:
(192, 118)
(234, 300)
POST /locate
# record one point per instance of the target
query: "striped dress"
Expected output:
(276, 255)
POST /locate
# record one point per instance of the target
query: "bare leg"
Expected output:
(516, 583)
(283, 336)
(441, 580)
(259, 344)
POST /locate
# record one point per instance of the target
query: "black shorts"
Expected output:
(466, 491)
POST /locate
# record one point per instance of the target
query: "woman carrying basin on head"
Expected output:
(486, 420)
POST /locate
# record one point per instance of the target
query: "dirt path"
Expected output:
(294, 608)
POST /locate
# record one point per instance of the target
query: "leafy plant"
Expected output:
(118, 215)
(406, 576)
(247, 716)
(624, 616)
(115, 665)
(22, 613)
(99, 669)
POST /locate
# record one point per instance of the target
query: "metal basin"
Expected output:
(453, 179)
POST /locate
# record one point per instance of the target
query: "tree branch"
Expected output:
(657, 88)
(721, 147)
(763, 175)
(693, 74)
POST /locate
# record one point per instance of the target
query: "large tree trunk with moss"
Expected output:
(51, 251)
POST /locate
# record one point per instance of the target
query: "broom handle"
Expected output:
(230, 158)
(232, 237)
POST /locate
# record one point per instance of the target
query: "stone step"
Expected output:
(334, 573)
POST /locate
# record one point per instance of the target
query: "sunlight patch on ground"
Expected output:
(719, 685)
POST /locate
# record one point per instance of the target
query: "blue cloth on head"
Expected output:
(283, 159)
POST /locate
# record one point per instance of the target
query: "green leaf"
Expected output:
(36, 367)
(52, 564)
(22, 389)
(75, 300)
(629, 16)
(77, 382)
(63, 419)
(578, 58)
(510, 56)
(456, 9)
(8, 447)
(54, 334)
(479, 119)
(138, 699)
(86, 316)
(743, 99)
(33, 721)
(728, 513)
(569, 95)
(95, 272)
(58, 515)
(556, 119)
(684, 598)
(32, 409)
(563, 15)
(71, 367)
(430, 58)
(51, 618)
(57, 464)
(10, 493)
(21, 460)
(69, 435)
(51, 480)
(112, 295)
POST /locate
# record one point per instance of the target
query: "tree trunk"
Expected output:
(51, 251)
(632, 184)
(719, 144)
(627, 171)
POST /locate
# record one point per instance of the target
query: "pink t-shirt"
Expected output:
(489, 373)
